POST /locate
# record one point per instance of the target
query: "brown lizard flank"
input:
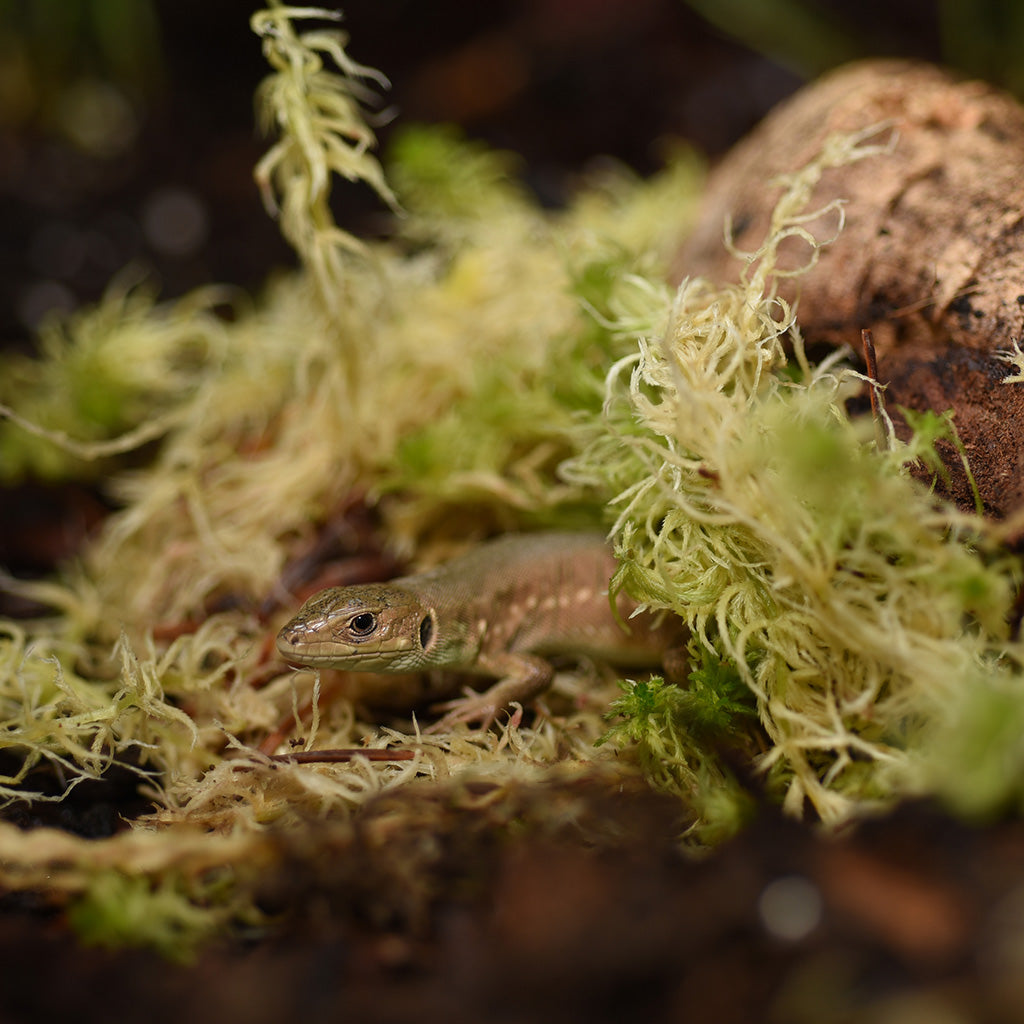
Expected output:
(500, 610)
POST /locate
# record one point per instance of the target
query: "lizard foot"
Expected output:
(521, 677)
(473, 707)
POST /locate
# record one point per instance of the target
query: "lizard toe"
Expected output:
(474, 708)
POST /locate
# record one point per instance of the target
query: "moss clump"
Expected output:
(117, 910)
(106, 381)
(856, 608)
(684, 738)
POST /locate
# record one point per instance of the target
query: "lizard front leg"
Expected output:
(520, 678)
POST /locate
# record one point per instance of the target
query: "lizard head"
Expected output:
(376, 627)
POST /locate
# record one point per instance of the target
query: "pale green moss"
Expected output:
(116, 910)
(106, 381)
(322, 132)
(855, 606)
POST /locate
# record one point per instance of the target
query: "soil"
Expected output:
(913, 916)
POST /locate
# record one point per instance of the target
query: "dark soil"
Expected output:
(912, 917)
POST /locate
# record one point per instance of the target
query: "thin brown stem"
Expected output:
(338, 755)
(870, 359)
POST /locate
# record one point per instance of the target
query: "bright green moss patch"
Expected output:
(117, 910)
(678, 735)
(976, 754)
(449, 182)
(107, 380)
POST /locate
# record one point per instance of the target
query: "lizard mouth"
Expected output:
(305, 653)
(308, 652)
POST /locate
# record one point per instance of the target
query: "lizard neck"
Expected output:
(457, 625)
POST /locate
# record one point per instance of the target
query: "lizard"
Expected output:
(500, 610)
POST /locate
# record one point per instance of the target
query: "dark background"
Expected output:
(167, 87)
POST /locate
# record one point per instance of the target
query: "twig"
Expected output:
(339, 755)
(871, 360)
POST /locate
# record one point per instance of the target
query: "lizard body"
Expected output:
(500, 610)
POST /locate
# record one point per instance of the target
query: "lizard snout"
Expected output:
(292, 635)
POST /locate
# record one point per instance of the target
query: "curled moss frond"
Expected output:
(1015, 357)
(318, 116)
(791, 217)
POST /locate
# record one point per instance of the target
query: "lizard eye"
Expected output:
(363, 623)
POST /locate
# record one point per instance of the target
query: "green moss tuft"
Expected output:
(118, 910)
(678, 734)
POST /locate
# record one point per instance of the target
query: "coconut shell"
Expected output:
(931, 257)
